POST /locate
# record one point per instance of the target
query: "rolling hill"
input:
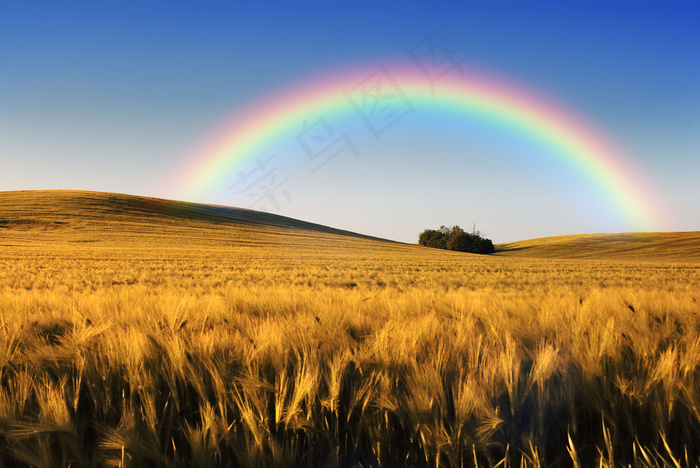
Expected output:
(666, 246)
(53, 218)
(107, 219)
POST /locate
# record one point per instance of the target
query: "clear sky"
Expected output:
(115, 95)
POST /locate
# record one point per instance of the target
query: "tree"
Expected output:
(455, 238)
(433, 238)
(484, 246)
(459, 240)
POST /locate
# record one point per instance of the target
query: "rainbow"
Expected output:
(577, 144)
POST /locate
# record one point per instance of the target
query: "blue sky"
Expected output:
(112, 95)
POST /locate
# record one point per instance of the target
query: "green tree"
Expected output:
(433, 238)
(455, 238)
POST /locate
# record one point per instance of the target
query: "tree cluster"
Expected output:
(455, 238)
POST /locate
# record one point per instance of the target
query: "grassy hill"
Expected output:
(666, 246)
(53, 219)
(108, 219)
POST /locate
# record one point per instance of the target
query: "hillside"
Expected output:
(58, 217)
(90, 221)
(668, 246)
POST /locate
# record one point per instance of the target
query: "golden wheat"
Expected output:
(324, 350)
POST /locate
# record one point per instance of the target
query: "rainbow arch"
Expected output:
(578, 145)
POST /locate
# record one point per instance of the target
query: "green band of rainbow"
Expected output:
(581, 147)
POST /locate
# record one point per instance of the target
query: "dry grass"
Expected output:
(681, 247)
(138, 332)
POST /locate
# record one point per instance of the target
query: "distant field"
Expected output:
(146, 332)
(657, 246)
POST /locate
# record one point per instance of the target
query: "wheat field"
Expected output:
(143, 332)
